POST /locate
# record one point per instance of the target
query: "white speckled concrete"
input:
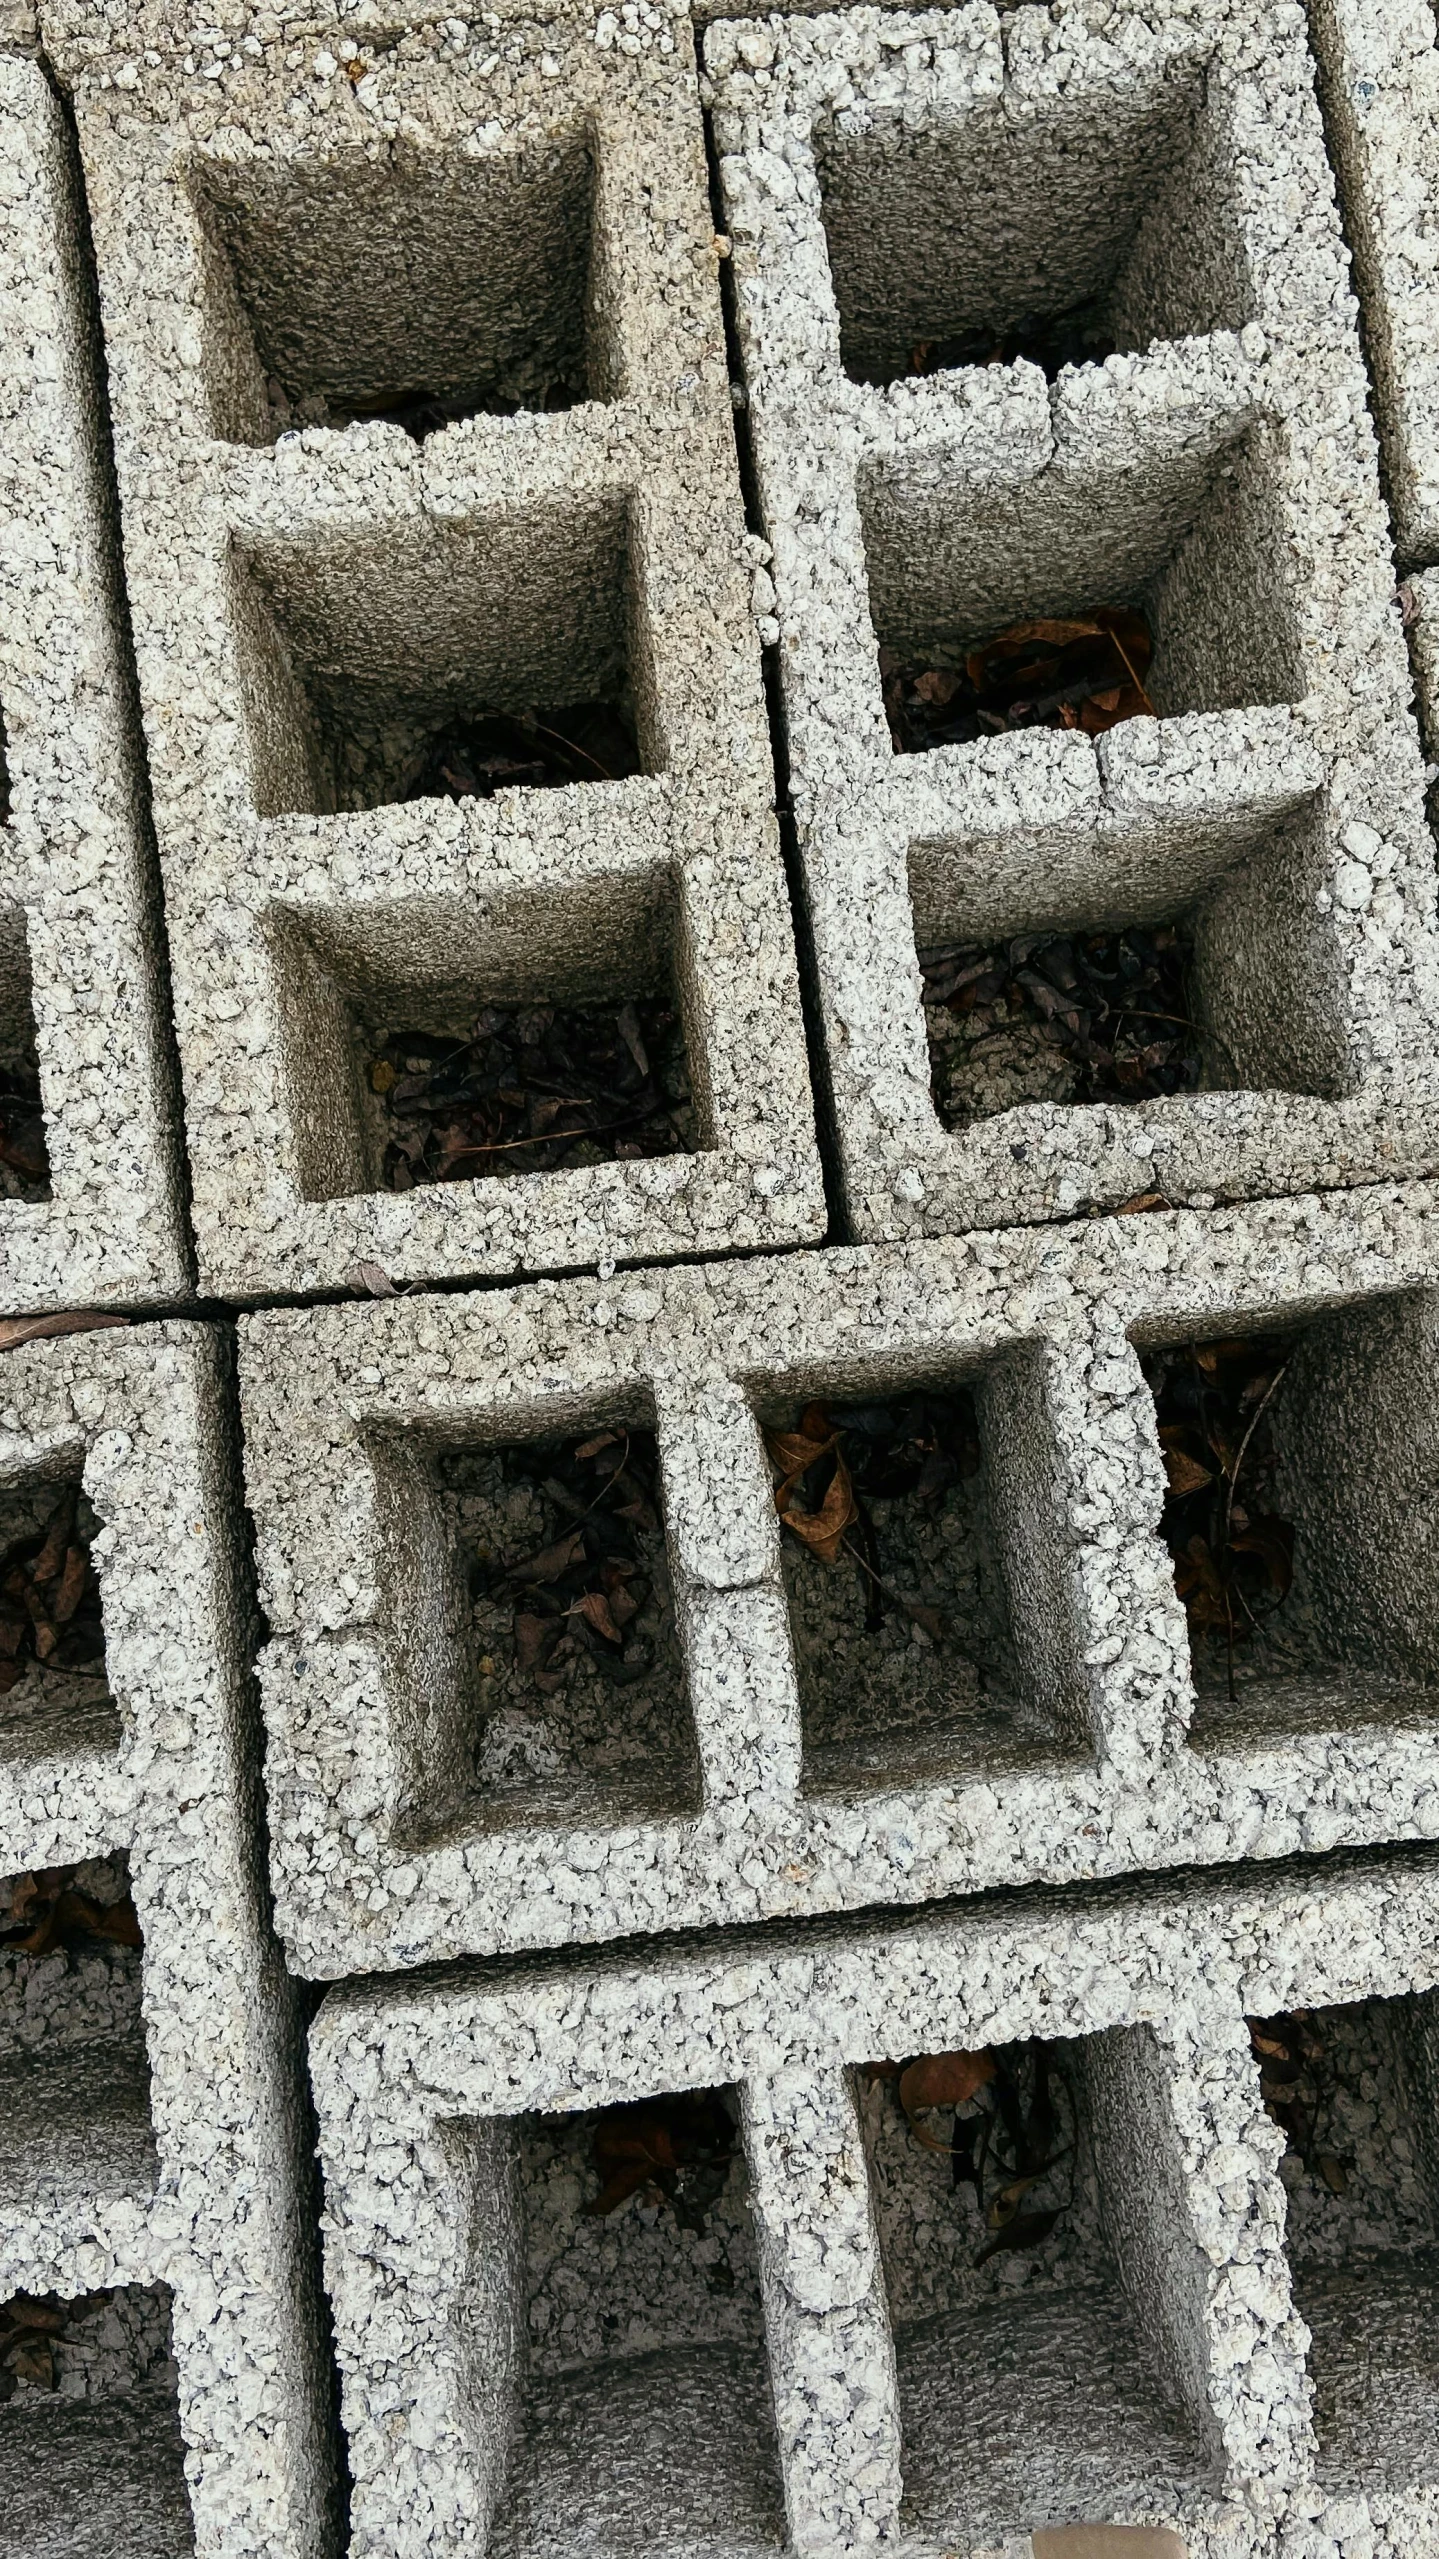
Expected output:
(1178, 2393)
(508, 560)
(151, 2107)
(1220, 468)
(80, 941)
(386, 1851)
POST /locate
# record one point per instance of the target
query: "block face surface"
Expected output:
(1045, 316)
(361, 545)
(90, 1212)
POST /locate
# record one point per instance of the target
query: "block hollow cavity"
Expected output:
(431, 1041)
(359, 654)
(91, 2460)
(536, 1671)
(423, 286)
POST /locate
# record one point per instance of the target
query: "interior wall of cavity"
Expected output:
(1023, 1413)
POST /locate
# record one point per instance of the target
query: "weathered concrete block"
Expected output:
(430, 1797)
(317, 593)
(895, 182)
(89, 1214)
(153, 2148)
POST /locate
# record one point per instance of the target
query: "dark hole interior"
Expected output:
(1061, 1018)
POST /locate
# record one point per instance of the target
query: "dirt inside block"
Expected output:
(1079, 335)
(532, 1088)
(900, 1618)
(52, 1639)
(1060, 1018)
(63, 1980)
(579, 1690)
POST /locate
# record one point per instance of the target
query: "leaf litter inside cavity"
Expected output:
(1062, 1018)
(1215, 1404)
(1082, 671)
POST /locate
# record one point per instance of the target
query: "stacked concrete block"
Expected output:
(96, 1220)
(1147, 2365)
(296, 232)
(153, 2173)
(396, 1834)
(891, 178)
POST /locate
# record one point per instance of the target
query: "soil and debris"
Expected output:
(30, 2325)
(580, 1682)
(896, 1601)
(24, 1156)
(93, 2346)
(1060, 1018)
(1233, 1551)
(50, 1597)
(676, 2148)
(1078, 335)
(1009, 2134)
(1295, 2081)
(535, 1088)
(50, 1911)
(1086, 672)
(492, 751)
(415, 406)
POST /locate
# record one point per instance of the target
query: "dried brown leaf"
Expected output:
(17, 1329)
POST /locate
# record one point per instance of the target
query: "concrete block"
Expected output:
(898, 182)
(90, 1209)
(317, 592)
(1141, 2364)
(430, 1798)
(153, 2166)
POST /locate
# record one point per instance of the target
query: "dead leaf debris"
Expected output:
(492, 751)
(24, 1157)
(534, 1088)
(1083, 1017)
(31, 2325)
(1233, 1553)
(417, 407)
(1295, 2083)
(676, 2148)
(1011, 2130)
(592, 1588)
(1086, 672)
(828, 1469)
(49, 1912)
(50, 1597)
(1079, 335)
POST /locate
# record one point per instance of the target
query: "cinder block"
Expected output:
(154, 2150)
(429, 1798)
(1379, 80)
(90, 1176)
(520, 224)
(896, 183)
(512, 2354)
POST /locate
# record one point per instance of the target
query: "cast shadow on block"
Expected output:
(1354, 2091)
(618, 2359)
(535, 1669)
(426, 1041)
(91, 2462)
(1060, 2379)
(54, 1688)
(1302, 1519)
(1056, 233)
(419, 286)
(24, 1155)
(362, 653)
(937, 1634)
(1187, 536)
(1128, 964)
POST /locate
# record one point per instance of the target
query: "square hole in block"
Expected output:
(641, 2385)
(536, 1667)
(1355, 2094)
(1181, 562)
(1030, 2235)
(427, 660)
(421, 286)
(24, 1155)
(1182, 958)
(91, 2461)
(54, 1688)
(74, 2077)
(927, 1639)
(1300, 1515)
(430, 1043)
(1098, 220)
